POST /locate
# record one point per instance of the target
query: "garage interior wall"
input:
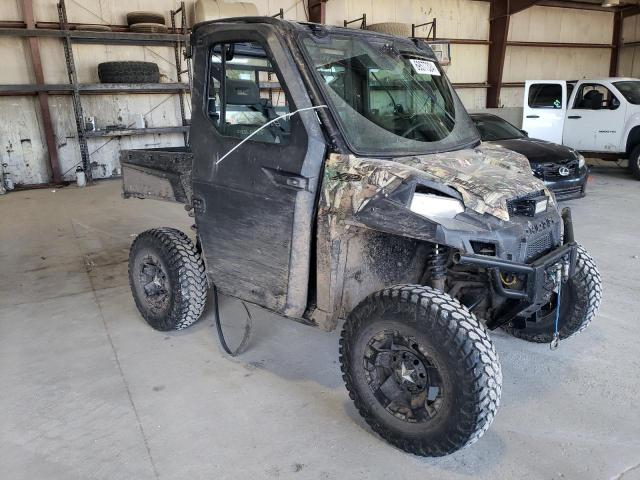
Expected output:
(555, 25)
(23, 148)
(629, 60)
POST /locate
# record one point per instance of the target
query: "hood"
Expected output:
(537, 151)
(486, 177)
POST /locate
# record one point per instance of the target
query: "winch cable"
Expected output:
(556, 336)
(247, 328)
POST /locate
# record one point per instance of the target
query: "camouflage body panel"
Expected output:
(486, 177)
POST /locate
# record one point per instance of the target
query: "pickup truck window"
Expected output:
(595, 97)
(545, 95)
(630, 89)
(244, 93)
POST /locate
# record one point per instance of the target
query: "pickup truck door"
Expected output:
(545, 106)
(255, 205)
(595, 119)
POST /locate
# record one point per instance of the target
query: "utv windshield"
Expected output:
(391, 98)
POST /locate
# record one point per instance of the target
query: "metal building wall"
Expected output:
(629, 62)
(22, 144)
(558, 25)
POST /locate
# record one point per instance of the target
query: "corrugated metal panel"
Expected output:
(561, 25)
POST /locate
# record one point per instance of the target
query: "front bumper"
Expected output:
(565, 189)
(539, 277)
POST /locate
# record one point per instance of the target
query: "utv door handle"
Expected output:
(287, 179)
(533, 116)
(574, 117)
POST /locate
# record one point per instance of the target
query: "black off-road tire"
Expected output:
(145, 17)
(634, 162)
(184, 274)
(129, 72)
(579, 302)
(461, 349)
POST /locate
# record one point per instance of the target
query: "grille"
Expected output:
(524, 205)
(539, 246)
(551, 171)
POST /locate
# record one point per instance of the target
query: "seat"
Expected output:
(592, 100)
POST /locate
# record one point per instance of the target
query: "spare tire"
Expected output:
(149, 28)
(93, 28)
(391, 28)
(129, 72)
(145, 17)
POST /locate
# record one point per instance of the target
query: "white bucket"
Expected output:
(81, 177)
(214, 9)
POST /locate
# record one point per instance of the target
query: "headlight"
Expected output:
(581, 161)
(433, 206)
(541, 205)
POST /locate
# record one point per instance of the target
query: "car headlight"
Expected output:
(581, 160)
(434, 206)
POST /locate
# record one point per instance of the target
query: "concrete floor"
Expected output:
(89, 391)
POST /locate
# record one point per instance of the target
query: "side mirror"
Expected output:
(524, 132)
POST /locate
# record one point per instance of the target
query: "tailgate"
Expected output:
(161, 174)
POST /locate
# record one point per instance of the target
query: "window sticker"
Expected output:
(424, 67)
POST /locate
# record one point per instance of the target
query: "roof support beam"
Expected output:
(499, 18)
(43, 97)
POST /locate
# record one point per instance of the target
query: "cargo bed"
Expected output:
(157, 173)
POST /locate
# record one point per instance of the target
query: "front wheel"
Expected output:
(421, 369)
(579, 302)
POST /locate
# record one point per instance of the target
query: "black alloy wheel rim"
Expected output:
(403, 377)
(154, 283)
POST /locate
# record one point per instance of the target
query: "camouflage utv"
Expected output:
(335, 175)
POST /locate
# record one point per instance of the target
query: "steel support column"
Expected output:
(43, 97)
(616, 42)
(317, 10)
(499, 17)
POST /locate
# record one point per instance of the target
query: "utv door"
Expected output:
(545, 107)
(255, 205)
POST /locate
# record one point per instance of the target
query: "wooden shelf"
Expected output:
(128, 132)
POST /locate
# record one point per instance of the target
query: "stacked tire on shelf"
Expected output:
(131, 71)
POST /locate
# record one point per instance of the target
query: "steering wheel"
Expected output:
(413, 127)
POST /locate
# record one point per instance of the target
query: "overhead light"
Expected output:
(611, 3)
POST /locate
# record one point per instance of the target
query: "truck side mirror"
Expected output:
(524, 132)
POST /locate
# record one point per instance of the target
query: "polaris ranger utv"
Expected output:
(334, 174)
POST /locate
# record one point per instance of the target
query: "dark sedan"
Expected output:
(561, 168)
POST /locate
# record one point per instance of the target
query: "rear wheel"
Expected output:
(634, 162)
(167, 279)
(421, 369)
(579, 302)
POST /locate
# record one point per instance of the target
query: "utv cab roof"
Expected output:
(318, 28)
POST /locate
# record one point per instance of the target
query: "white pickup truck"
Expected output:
(599, 118)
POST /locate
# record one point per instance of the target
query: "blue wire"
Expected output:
(558, 308)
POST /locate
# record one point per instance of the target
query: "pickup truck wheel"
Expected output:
(421, 369)
(634, 162)
(579, 302)
(167, 279)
